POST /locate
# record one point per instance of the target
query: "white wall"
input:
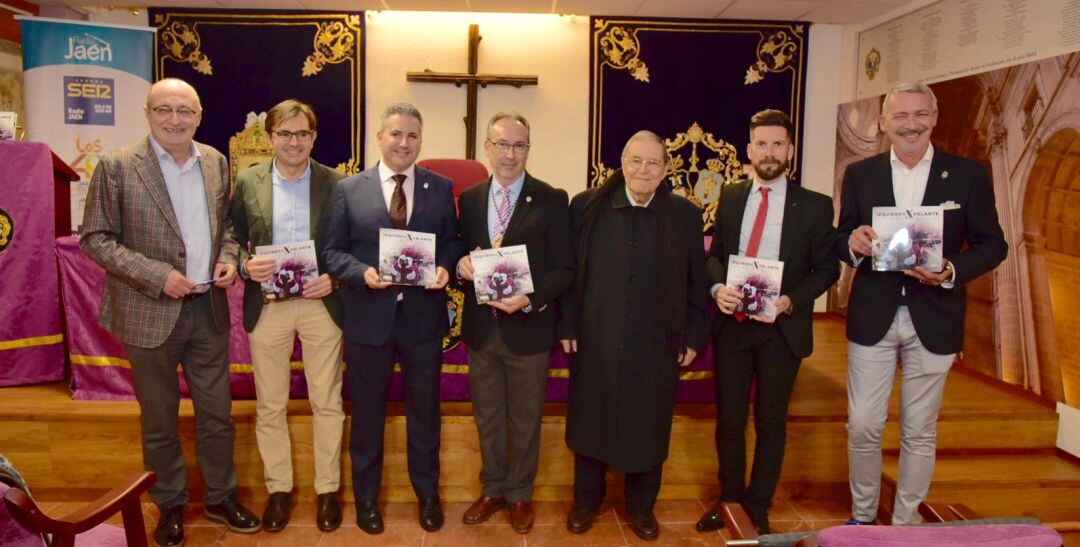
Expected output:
(819, 114)
(554, 47)
(851, 63)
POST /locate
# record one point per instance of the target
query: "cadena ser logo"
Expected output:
(88, 48)
(7, 230)
(89, 101)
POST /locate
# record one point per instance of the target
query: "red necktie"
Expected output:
(398, 209)
(755, 234)
(759, 224)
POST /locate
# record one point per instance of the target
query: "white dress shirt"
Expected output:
(187, 192)
(386, 176)
(909, 184)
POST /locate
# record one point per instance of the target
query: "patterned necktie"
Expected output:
(503, 213)
(755, 234)
(399, 211)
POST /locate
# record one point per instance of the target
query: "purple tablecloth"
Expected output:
(100, 370)
(31, 338)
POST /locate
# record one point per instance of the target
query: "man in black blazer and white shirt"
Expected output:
(916, 316)
(765, 217)
(510, 339)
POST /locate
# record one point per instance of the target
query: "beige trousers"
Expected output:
(271, 350)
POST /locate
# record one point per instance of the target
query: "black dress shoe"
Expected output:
(276, 515)
(711, 520)
(233, 514)
(328, 517)
(170, 527)
(431, 515)
(368, 517)
(580, 519)
(645, 526)
(760, 518)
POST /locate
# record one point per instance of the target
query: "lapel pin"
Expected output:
(528, 199)
(425, 186)
(944, 174)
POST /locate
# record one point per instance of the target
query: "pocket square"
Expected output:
(950, 205)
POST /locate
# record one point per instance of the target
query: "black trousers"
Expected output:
(368, 370)
(744, 351)
(203, 354)
(590, 487)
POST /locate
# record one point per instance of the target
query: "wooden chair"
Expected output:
(89, 519)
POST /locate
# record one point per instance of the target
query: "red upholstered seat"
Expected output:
(464, 173)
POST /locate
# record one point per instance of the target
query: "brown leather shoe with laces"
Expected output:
(522, 516)
(482, 509)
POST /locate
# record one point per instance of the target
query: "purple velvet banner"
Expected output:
(100, 370)
(31, 341)
(696, 83)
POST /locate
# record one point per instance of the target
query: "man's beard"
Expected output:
(772, 171)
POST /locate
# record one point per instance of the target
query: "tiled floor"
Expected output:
(677, 518)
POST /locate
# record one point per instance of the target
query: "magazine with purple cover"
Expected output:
(759, 282)
(907, 238)
(406, 258)
(296, 267)
(501, 273)
(7, 126)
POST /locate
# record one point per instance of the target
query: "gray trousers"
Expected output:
(871, 370)
(204, 355)
(508, 403)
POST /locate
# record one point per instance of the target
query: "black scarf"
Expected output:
(672, 260)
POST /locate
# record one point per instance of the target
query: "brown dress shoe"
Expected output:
(521, 516)
(482, 509)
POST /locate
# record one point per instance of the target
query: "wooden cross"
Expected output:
(472, 82)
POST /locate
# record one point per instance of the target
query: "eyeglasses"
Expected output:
(183, 112)
(503, 146)
(636, 163)
(301, 135)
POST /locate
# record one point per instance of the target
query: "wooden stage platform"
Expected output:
(995, 445)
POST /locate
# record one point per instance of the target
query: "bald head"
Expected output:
(173, 112)
(171, 86)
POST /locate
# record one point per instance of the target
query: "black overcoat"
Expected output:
(624, 377)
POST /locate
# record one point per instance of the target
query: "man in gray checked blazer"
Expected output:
(156, 220)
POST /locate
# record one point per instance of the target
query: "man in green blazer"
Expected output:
(274, 203)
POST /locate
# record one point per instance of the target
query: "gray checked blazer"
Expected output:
(130, 229)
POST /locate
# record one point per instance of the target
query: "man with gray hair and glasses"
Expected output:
(156, 220)
(915, 316)
(510, 339)
(385, 323)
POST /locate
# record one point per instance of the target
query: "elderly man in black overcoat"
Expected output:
(635, 316)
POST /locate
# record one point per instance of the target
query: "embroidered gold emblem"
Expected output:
(334, 43)
(181, 43)
(686, 175)
(621, 50)
(775, 54)
(601, 173)
(7, 230)
(454, 305)
(872, 63)
(350, 167)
